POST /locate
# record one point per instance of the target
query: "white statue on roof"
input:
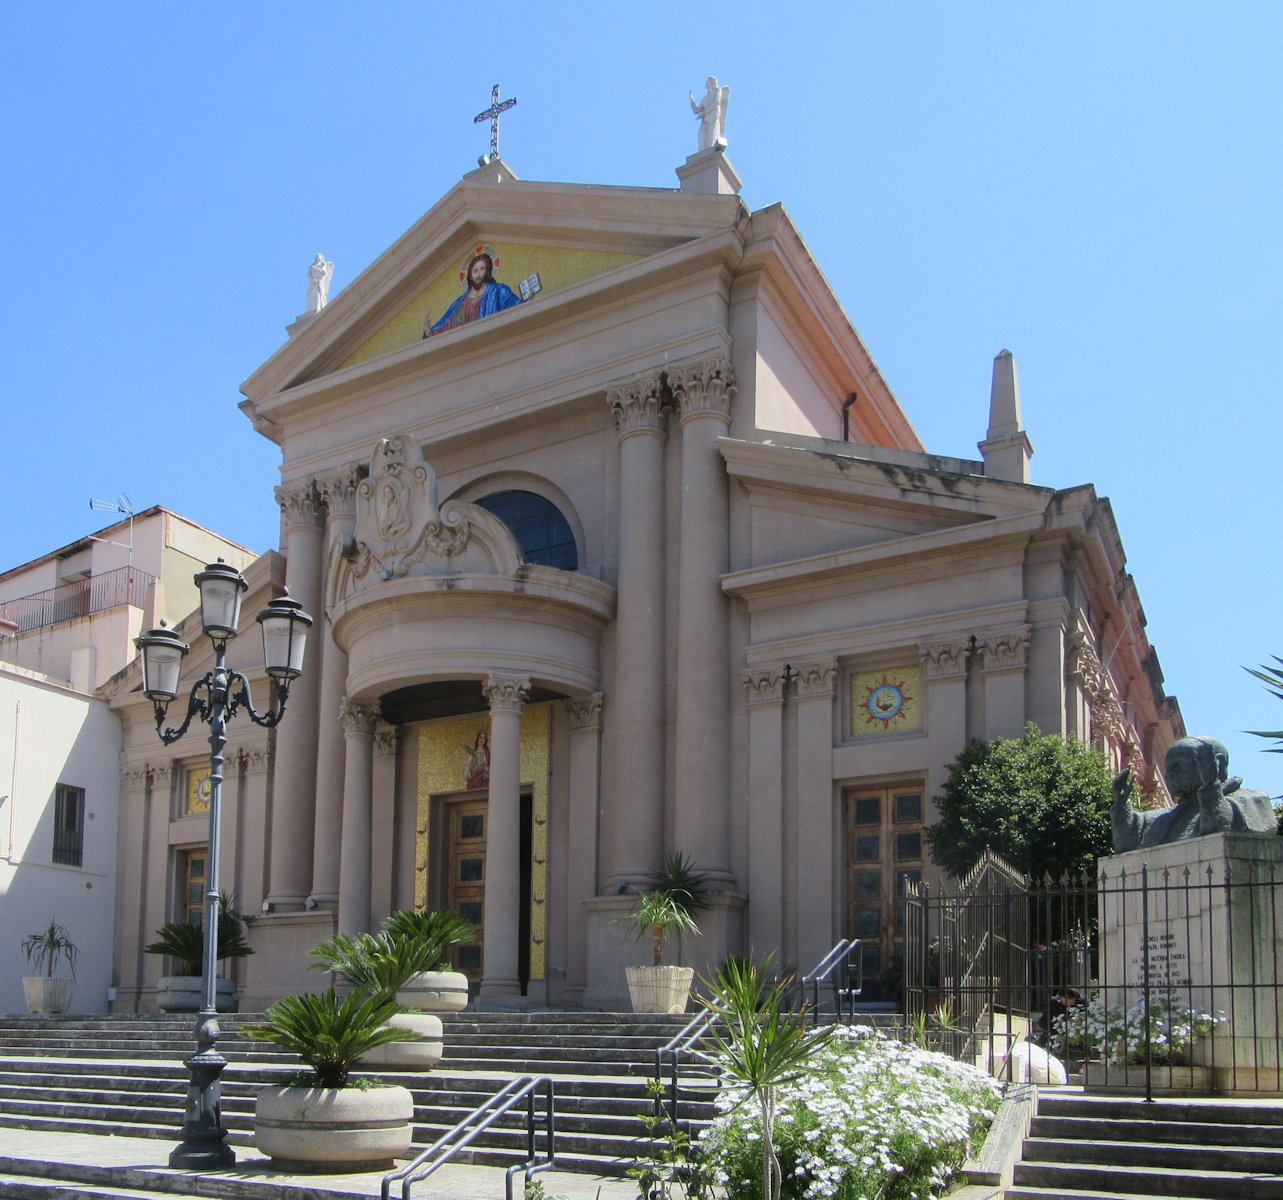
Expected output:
(319, 273)
(711, 111)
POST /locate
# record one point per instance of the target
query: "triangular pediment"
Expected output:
(559, 240)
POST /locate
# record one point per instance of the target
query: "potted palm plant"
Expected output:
(323, 1119)
(673, 897)
(436, 988)
(185, 944)
(381, 965)
(45, 949)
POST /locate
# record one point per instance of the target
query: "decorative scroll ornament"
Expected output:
(506, 693)
(1006, 651)
(398, 522)
(814, 679)
(945, 660)
(301, 503)
(359, 716)
(766, 685)
(585, 714)
(638, 406)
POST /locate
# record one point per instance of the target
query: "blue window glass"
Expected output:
(543, 534)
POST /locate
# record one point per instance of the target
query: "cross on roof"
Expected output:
(491, 114)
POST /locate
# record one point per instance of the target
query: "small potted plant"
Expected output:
(185, 944)
(672, 899)
(323, 1118)
(382, 965)
(45, 950)
(436, 988)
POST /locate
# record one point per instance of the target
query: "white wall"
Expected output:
(50, 735)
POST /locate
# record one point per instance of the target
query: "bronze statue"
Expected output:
(1205, 801)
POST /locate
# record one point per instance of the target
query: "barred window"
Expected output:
(69, 825)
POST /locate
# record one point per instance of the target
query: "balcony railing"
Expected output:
(82, 598)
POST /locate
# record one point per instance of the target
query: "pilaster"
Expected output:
(703, 392)
(294, 809)
(633, 803)
(765, 687)
(359, 720)
(816, 683)
(581, 841)
(506, 695)
(1004, 657)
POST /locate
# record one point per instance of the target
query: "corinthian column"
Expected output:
(339, 495)
(294, 791)
(500, 977)
(704, 392)
(633, 817)
(359, 723)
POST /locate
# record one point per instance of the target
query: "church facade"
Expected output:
(637, 555)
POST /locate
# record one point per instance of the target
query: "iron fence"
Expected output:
(80, 598)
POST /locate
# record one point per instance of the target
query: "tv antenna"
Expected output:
(122, 505)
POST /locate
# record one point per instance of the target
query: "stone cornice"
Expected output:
(302, 505)
(585, 713)
(359, 716)
(506, 693)
(766, 685)
(639, 406)
(703, 389)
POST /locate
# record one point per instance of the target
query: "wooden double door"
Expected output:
(884, 850)
(465, 863)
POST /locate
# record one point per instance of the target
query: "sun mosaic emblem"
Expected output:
(884, 702)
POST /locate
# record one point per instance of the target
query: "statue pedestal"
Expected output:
(710, 172)
(1202, 920)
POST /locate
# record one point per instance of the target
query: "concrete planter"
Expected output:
(659, 989)
(181, 993)
(333, 1130)
(422, 1054)
(435, 991)
(45, 995)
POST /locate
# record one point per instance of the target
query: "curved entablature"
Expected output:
(538, 621)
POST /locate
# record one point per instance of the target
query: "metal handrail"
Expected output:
(476, 1122)
(835, 968)
(691, 1033)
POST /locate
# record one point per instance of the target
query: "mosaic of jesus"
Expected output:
(483, 296)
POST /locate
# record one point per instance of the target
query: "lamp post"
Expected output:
(215, 699)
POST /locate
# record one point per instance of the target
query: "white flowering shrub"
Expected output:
(1170, 1028)
(871, 1117)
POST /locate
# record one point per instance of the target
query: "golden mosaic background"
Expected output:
(556, 268)
(441, 762)
(876, 691)
(195, 802)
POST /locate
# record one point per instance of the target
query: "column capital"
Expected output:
(766, 685)
(945, 660)
(639, 406)
(703, 388)
(506, 693)
(259, 758)
(387, 740)
(359, 716)
(134, 777)
(586, 713)
(302, 505)
(814, 679)
(338, 493)
(1006, 651)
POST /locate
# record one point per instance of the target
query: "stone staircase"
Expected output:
(123, 1075)
(1083, 1147)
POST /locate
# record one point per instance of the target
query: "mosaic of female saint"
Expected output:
(476, 766)
(483, 295)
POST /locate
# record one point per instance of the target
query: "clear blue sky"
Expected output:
(1094, 186)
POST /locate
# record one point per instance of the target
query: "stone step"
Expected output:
(1199, 1133)
(1178, 1111)
(1149, 1180)
(1267, 1161)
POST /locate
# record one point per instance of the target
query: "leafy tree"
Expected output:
(1039, 802)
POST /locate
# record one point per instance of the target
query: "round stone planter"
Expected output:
(333, 1130)
(181, 993)
(659, 989)
(421, 1054)
(45, 995)
(435, 991)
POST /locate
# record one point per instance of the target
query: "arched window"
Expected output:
(544, 535)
